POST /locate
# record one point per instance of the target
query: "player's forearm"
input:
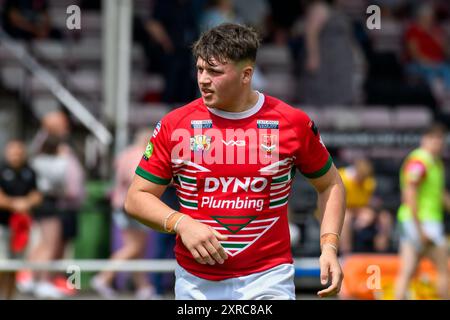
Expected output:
(312, 43)
(5, 202)
(315, 22)
(410, 199)
(331, 203)
(158, 32)
(147, 208)
(21, 22)
(34, 198)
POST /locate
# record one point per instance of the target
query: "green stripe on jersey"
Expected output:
(188, 203)
(150, 177)
(188, 180)
(286, 177)
(320, 172)
(233, 245)
(274, 203)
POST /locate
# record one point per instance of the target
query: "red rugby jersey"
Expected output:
(234, 171)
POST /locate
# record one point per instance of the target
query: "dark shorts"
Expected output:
(69, 222)
(67, 217)
(47, 209)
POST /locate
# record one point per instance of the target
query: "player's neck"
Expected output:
(16, 166)
(244, 102)
(429, 151)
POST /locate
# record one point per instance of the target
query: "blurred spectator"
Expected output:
(281, 19)
(174, 28)
(56, 124)
(363, 230)
(221, 11)
(152, 49)
(329, 67)
(426, 48)
(421, 213)
(18, 196)
(28, 19)
(134, 234)
(253, 12)
(51, 169)
(91, 5)
(217, 12)
(53, 123)
(386, 81)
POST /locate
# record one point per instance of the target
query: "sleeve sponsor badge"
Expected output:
(157, 129)
(148, 150)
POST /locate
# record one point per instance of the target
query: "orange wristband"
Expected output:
(329, 238)
(167, 218)
(172, 220)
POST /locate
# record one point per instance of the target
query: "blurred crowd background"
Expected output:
(371, 93)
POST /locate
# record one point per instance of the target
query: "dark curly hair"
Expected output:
(227, 42)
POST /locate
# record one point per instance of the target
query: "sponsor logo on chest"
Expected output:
(201, 124)
(234, 184)
(267, 124)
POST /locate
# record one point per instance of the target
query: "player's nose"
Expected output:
(203, 78)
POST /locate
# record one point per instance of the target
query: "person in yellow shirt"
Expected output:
(360, 184)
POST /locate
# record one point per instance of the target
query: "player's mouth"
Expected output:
(206, 92)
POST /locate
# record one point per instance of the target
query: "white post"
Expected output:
(124, 21)
(109, 65)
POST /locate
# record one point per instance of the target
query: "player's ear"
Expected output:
(247, 73)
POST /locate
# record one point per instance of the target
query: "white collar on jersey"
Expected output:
(240, 115)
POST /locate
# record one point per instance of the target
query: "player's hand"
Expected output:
(330, 268)
(202, 241)
(426, 242)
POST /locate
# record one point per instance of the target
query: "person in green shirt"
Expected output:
(421, 214)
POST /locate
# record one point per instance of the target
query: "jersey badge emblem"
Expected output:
(200, 142)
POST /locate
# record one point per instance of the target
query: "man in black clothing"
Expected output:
(173, 27)
(18, 194)
(28, 19)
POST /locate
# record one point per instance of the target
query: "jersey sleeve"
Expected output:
(313, 159)
(415, 171)
(155, 165)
